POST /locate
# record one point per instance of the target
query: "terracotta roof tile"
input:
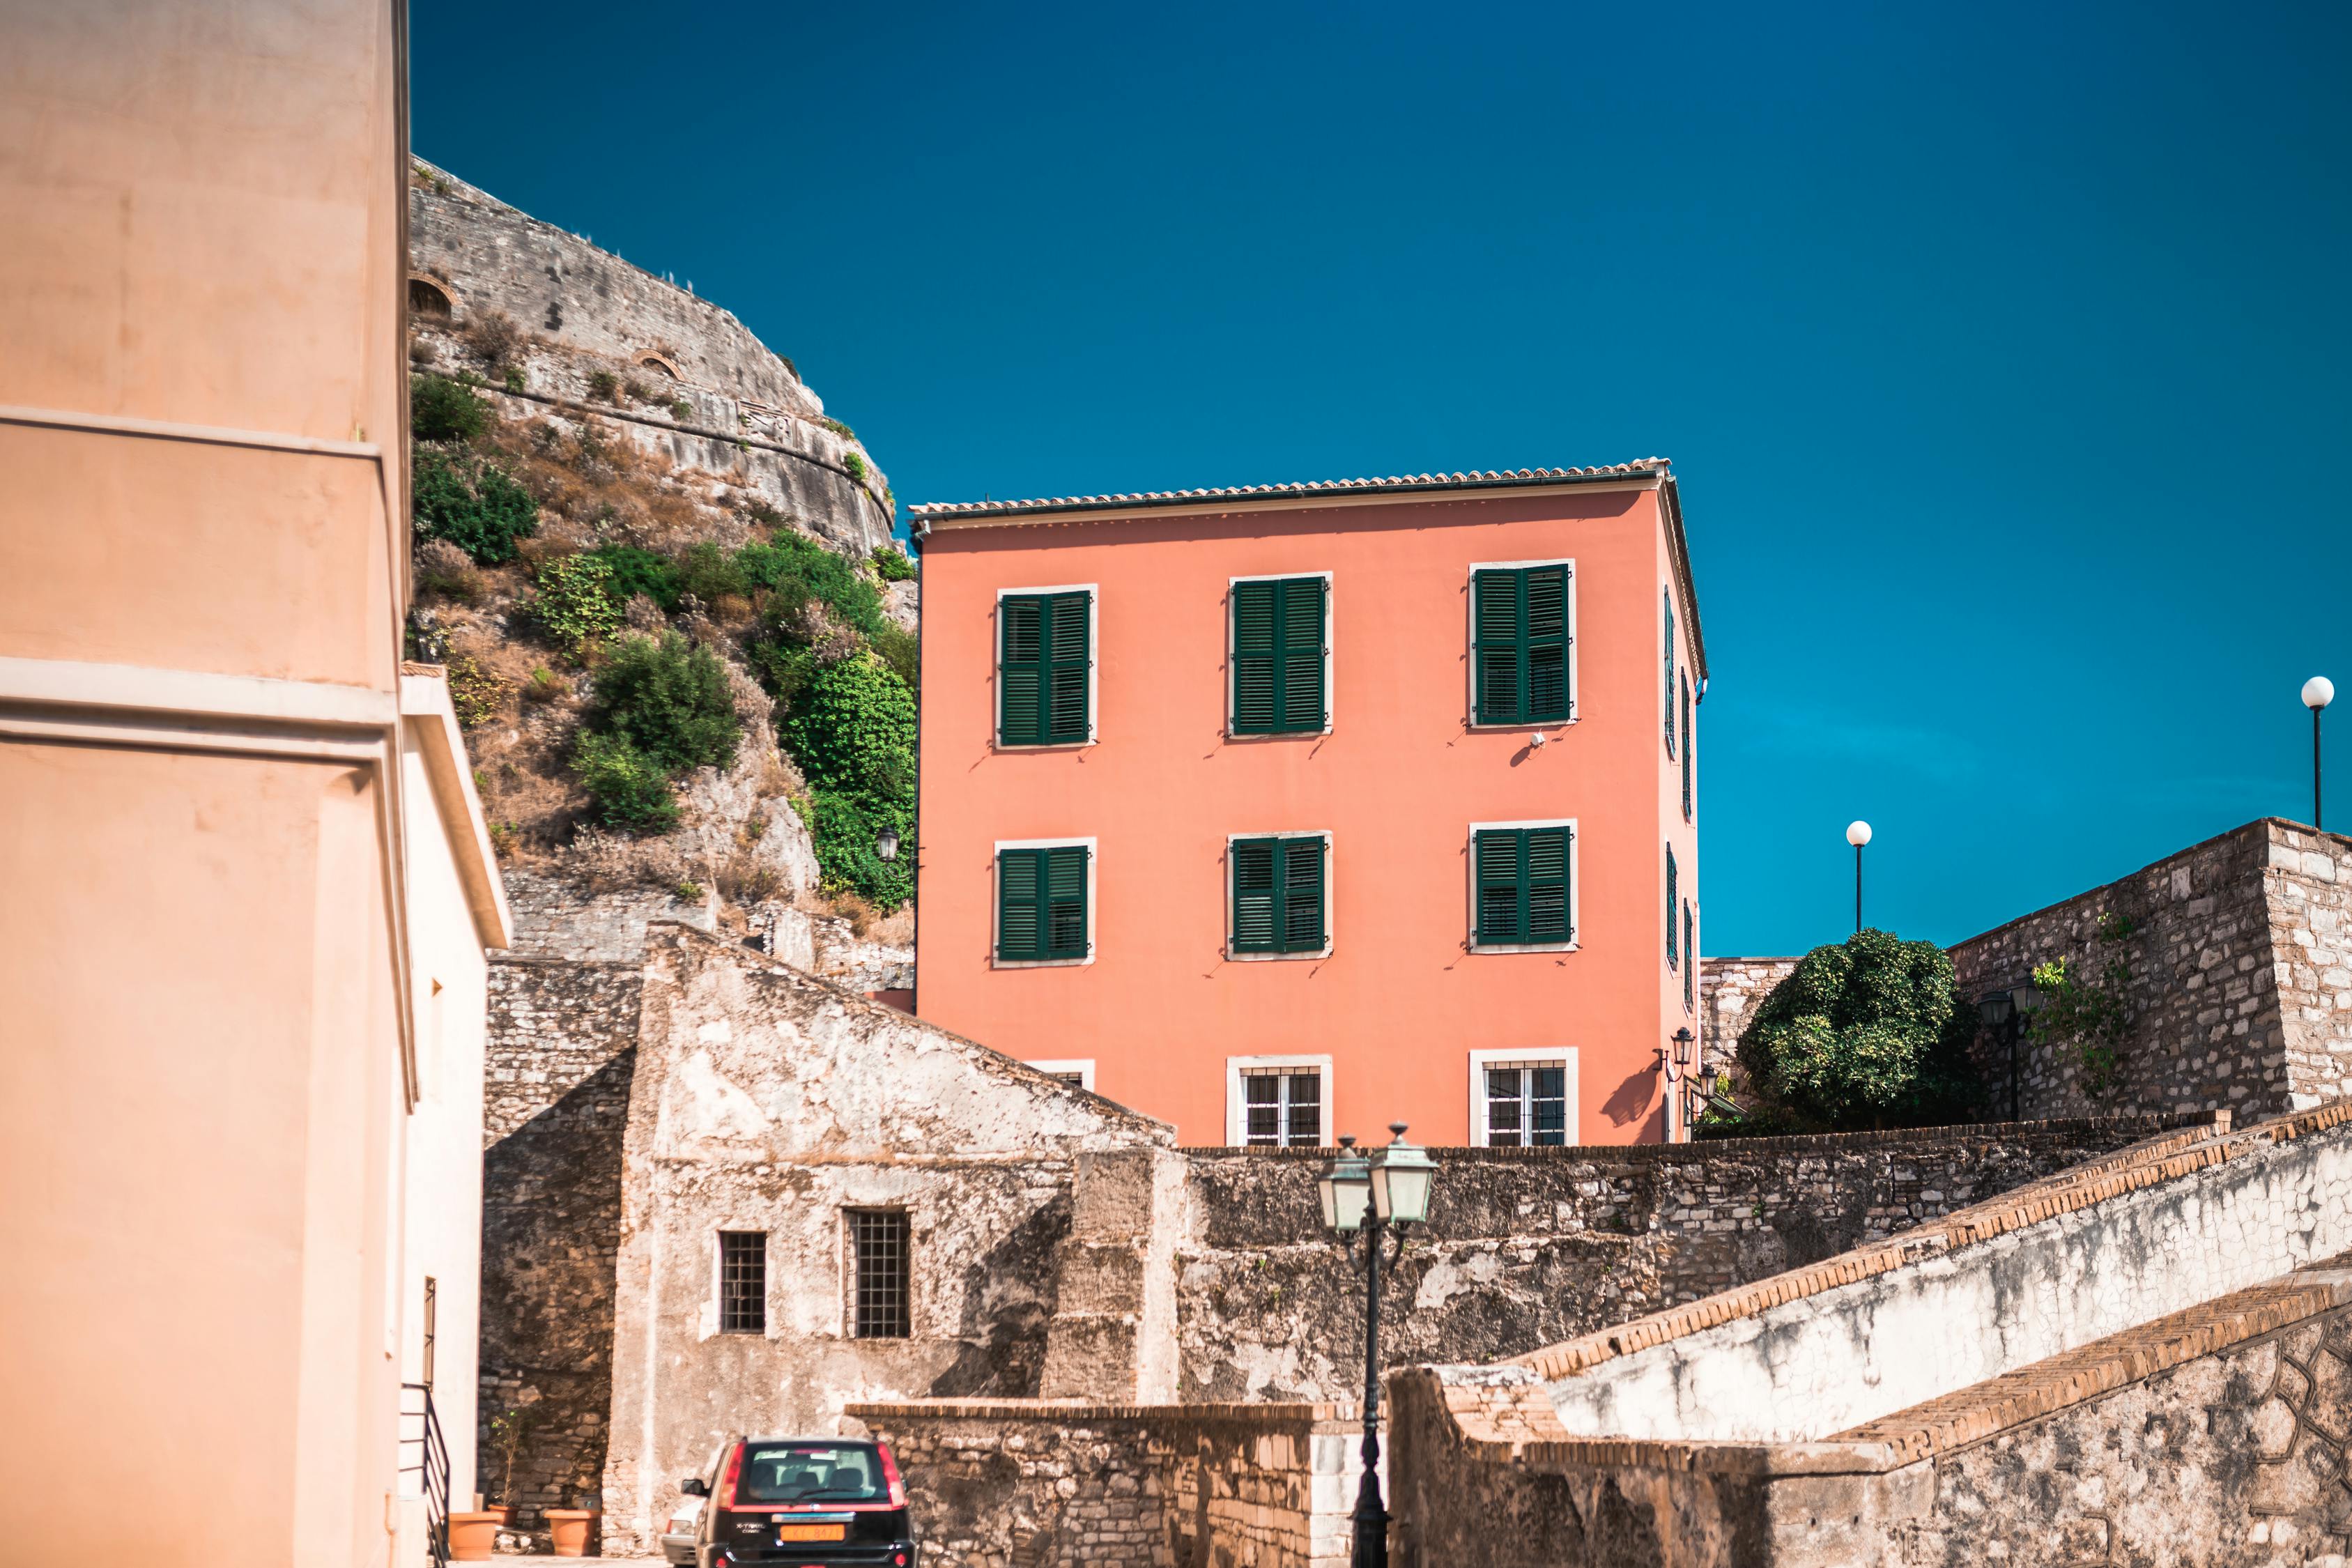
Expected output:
(1488, 478)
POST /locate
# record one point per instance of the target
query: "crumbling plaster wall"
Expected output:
(2240, 993)
(1528, 1247)
(767, 1100)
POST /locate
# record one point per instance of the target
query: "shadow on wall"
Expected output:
(1004, 1325)
(550, 1233)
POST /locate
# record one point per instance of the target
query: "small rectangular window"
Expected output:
(1523, 883)
(1282, 1106)
(1277, 895)
(1672, 950)
(1280, 640)
(1527, 1104)
(877, 1244)
(742, 1282)
(1044, 669)
(1041, 905)
(1520, 638)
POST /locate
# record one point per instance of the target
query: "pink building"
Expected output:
(1290, 811)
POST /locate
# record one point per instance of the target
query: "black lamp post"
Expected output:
(1371, 1197)
(2317, 693)
(1857, 834)
(1675, 1067)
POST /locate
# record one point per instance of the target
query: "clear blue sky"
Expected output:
(2001, 348)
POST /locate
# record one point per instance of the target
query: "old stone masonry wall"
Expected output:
(2232, 962)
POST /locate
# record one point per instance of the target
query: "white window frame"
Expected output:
(996, 900)
(1575, 887)
(1093, 591)
(1330, 926)
(1542, 1056)
(1082, 1066)
(1237, 1107)
(1470, 647)
(1232, 669)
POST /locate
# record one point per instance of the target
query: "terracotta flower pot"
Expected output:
(570, 1528)
(473, 1535)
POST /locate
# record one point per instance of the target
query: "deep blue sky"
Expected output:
(2001, 348)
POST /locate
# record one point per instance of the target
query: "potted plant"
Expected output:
(509, 1429)
(473, 1535)
(569, 1527)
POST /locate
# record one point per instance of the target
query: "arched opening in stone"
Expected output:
(429, 298)
(655, 362)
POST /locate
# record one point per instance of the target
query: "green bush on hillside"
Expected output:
(795, 570)
(630, 790)
(711, 573)
(440, 409)
(1867, 1033)
(574, 604)
(842, 830)
(636, 571)
(852, 732)
(890, 564)
(472, 503)
(669, 700)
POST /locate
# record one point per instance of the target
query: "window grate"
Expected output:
(1526, 1106)
(877, 1248)
(1282, 1109)
(742, 1282)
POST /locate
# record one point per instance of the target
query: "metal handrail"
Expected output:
(431, 1468)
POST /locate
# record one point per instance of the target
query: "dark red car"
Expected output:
(804, 1502)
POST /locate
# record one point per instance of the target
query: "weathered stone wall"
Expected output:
(1528, 1247)
(1729, 989)
(2239, 995)
(556, 917)
(748, 414)
(1198, 1486)
(767, 1100)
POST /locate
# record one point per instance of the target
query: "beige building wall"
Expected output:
(210, 946)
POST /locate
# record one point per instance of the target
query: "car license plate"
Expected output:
(811, 1532)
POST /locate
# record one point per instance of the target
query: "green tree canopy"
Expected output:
(1867, 1033)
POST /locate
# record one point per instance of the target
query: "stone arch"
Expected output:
(655, 362)
(429, 297)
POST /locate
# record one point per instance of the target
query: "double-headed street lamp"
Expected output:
(1369, 1195)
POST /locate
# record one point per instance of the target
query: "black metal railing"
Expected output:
(431, 1468)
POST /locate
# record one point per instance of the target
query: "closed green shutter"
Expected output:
(1671, 897)
(1670, 670)
(1041, 904)
(1520, 645)
(1690, 745)
(1523, 886)
(1044, 669)
(1278, 905)
(1279, 632)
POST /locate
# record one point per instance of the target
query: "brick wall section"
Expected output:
(1528, 1247)
(558, 1065)
(1134, 1486)
(2240, 954)
(1729, 989)
(555, 917)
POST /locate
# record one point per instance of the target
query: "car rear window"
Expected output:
(810, 1472)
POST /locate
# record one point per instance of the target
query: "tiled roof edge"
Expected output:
(1489, 478)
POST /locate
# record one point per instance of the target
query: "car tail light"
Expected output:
(890, 1477)
(734, 1469)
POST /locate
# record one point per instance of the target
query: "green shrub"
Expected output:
(781, 669)
(891, 564)
(710, 573)
(574, 605)
(855, 465)
(853, 732)
(836, 427)
(681, 410)
(901, 650)
(513, 380)
(843, 832)
(629, 789)
(795, 569)
(441, 410)
(636, 571)
(475, 693)
(605, 384)
(1867, 1033)
(473, 504)
(669, 700)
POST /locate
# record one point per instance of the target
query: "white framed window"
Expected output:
(1078, 1072)
(1523, 1099)
(1524, 895)
(1522, 629)
(1278, 1102)
(1046, 659)
(1042, 914)
(1278, 655)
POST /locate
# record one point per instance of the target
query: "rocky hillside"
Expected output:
(677, 630)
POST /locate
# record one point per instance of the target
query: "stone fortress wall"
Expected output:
(749, 417)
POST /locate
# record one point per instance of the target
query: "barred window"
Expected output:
(742, 1282)
(878, 1264)
(1282, 1108)
(1527, 1104)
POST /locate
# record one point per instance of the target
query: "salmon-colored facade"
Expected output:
(248, 885)
(1395, 1002)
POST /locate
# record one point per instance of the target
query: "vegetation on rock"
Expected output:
(629, 790)
(440, 409)
(574, 604)
(669, 699)
(852, 731)
(890, 564)
(1869, 1032)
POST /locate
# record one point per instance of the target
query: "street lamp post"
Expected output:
(1387, 1191)
(2317, 693)
(1857, 834)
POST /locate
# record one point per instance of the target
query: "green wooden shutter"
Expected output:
(1523, 886)
(1255, 927)
(1019, 931)
(1671, 899)
(1277, 893)
(1690, 746)
(1544, 591)
(1302, 898)
(1021, 670)
(1670, 669)
(1041, 904)
(1496, 636)
(1278, 641)
(1069, 668)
